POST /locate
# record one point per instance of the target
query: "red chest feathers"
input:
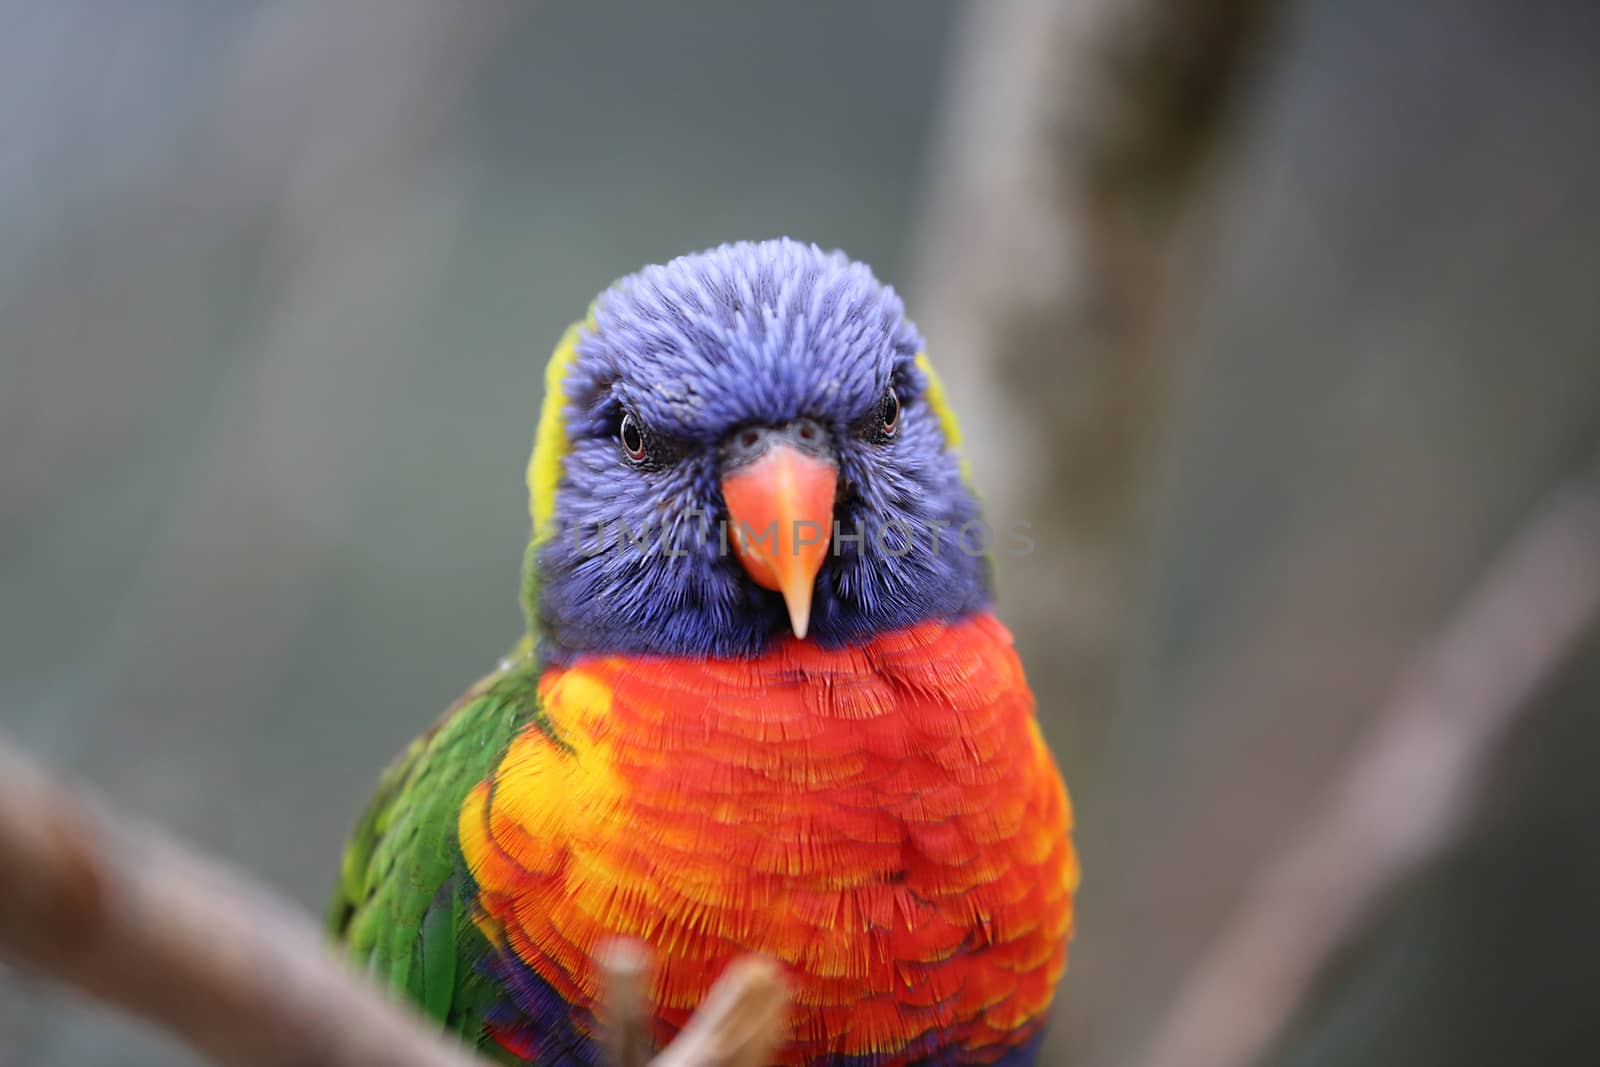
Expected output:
(885, 820)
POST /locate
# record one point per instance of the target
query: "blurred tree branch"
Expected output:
(146, 926)
(1076, 140)
(1404, 795)
(1064, 233)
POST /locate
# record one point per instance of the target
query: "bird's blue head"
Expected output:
(742, 445)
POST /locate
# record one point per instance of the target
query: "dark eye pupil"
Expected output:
(891, 412)
(632, 437)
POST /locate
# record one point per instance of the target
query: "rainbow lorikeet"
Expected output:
(762, 706)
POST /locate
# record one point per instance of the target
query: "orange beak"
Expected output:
(780, 507)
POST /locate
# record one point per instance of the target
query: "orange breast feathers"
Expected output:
(885, 820)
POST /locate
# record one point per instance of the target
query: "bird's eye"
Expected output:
(889, 413)
(631, 434)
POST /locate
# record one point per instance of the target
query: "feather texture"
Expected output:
(884, 820)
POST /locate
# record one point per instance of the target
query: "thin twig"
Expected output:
(1404, 796)
(148, 927)
(741, 1022)
(625, 968)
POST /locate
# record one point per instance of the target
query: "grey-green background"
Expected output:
(277, 285)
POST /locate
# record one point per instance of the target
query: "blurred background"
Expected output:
(1277, 320)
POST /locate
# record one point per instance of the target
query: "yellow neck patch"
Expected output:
(550, 443)
(935, 396)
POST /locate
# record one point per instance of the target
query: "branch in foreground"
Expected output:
(1404, 796)
(740, 1024)
(146, 926)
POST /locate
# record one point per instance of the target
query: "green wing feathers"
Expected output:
(403, 903)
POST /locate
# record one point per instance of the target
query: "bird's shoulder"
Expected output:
(402, 903)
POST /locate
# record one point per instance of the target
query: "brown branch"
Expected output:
(151, 929)
(741, 1022)
(625, 967)
(148, 927)
(1404, 796)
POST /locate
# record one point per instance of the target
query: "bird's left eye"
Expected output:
(631, 434)
(889, 413)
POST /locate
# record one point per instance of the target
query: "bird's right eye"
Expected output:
(889, 413)
(631, 434)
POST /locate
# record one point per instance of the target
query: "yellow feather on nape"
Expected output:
(550, 443)
(935, 395)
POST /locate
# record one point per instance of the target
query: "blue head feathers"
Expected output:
(676, 361)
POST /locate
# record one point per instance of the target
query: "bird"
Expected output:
(763, 704)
